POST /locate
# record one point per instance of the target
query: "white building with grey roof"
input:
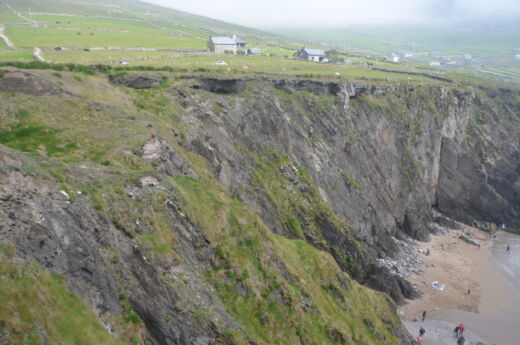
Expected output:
(221, 44)
(316, 55)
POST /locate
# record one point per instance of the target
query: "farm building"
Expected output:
(254, 51)
(316, 55)
(221, 44)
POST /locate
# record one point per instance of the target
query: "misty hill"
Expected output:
(485, 48)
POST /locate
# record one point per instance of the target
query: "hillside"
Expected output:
(118, 25)
(175, 201)
(142, 34)
(181, 209)
(482, 48)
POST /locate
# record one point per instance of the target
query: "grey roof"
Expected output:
(255, 51)
(227, 40)
(239, 40)
(314, 52)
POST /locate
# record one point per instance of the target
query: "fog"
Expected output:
(344, 13)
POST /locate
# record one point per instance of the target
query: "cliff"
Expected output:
(169, 209)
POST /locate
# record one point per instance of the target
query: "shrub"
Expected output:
(294, 226)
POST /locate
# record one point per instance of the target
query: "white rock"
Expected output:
(65, 194)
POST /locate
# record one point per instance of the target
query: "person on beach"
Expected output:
(421, 332)
(461, 330)
(508, 249)
(461, 341)
(423, 315)
(469, 292)
(478, 246)
(456, 332)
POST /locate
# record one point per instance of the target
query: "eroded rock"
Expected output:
(166, 159)
(27, 83)
(138, 80)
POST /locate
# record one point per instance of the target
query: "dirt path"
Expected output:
(6, 39)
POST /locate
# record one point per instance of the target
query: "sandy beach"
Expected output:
(491, 310)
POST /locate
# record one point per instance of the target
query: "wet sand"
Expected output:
(492, 310)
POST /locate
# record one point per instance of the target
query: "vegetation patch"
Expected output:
(268, 304)
(37, 304)
(33, 137)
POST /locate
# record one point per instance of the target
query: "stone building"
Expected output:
(221, 44)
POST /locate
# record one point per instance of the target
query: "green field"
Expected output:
(22, 55)
(93, 7)
(7, 17)
(46, 37)
(140, 25)
(490, 47)
(75, 22)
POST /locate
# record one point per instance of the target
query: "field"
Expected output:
(16, 55)
(136, 25)
(162, 37)
(46, 37)
(487, 51)
(7, 17)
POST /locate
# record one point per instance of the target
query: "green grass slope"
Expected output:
(33, 300)
(63, 140)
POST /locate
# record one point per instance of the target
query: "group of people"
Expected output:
(458, 332)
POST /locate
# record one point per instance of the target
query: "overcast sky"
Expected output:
(271, 13)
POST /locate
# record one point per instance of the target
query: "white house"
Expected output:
(221, 44)
(316, 55)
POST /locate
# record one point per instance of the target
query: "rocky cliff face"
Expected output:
(378, 155)
(208, 211)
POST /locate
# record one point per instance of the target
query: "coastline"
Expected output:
(491, 308)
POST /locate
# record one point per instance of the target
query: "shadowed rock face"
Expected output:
(138, 81)
(221, 86)
(480, 178)
(23, 82)
(379, 155)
